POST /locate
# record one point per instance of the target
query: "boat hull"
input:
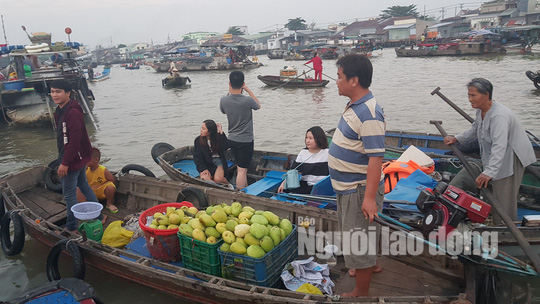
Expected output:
(203, 64)
(275, 81)
(137, 193)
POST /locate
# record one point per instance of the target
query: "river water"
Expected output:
(133, 112)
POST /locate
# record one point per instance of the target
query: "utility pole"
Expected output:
(442, 13)
(424, 12)
(168, 39)
(110, 38)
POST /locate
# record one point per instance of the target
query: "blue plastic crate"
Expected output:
(264, 271)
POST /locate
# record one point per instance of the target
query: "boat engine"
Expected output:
(447, 207)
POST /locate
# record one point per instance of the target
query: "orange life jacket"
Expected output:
(394, 171)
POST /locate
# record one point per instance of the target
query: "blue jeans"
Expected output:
(70, 182)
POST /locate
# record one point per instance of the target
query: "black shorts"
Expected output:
(242, 152)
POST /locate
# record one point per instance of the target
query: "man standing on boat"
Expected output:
(238, 108)
(317, 66)
(355, 163)
(74, 148)
(505, 149)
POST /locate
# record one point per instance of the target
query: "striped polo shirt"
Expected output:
(358, 136)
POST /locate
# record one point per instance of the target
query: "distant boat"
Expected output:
(449, 49)
(101, 76)
(176, 81)
(132, 67)
(276, 81)
(276, 54)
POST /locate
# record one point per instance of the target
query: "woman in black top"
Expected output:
(209, 152)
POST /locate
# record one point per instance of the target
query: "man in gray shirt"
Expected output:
(238, 108)
(504, 148)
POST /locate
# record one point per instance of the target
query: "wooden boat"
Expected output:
(178, 164)
(203, 64)
(534, 77)
(101, 76)
(69, 290)
(132, 67)
(32, 105)
(42, 212)
(433, 145)
(276, 54)
(175, 82)
(276, 81)
(463, 48)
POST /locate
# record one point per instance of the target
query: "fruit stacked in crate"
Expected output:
(257, 245)
(200, 238)
(160, 225)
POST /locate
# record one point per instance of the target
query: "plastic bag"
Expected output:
(308, 288)
(116, 236)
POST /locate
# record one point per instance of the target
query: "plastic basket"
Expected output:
(86, 210)
(264, 271)
(200, 256)
(162, 244)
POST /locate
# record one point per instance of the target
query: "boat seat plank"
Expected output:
(41, 204)
(396, 279)
(265, 186)
(188, 166)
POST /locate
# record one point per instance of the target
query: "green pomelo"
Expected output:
(199, 235)
(238, 248)
(255, 251)
(228, 237)
(267, 244)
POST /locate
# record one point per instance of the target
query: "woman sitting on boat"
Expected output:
(210, 152)
(311, 162)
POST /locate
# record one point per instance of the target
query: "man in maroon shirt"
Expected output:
(74, 148)
(317, 66)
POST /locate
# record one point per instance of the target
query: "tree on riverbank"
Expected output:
(296, 24)
(400, 11)
(403, 11)
(234, 30)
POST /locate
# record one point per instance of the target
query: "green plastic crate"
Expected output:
(265, 271)
(200, 256)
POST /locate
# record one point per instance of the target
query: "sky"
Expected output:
(100, 22)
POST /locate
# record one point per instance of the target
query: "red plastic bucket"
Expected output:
(163, 244)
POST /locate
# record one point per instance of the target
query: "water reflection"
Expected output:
(318, 95)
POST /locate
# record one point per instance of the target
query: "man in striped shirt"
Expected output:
(355, 165)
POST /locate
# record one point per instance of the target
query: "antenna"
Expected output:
(4, 29)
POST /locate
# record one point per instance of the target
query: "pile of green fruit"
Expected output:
(243, 230)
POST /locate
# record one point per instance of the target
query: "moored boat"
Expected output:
(463, 48)
(30, 103)
(204, 64)
(276, 54)
(69, 290)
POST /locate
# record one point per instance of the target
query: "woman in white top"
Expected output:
(313, 161)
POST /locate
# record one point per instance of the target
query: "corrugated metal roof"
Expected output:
(401, 26)
(441, 24)
(508, 12)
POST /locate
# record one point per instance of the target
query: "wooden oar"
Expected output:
(321, 72)
(289, 80)
(522, 241)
